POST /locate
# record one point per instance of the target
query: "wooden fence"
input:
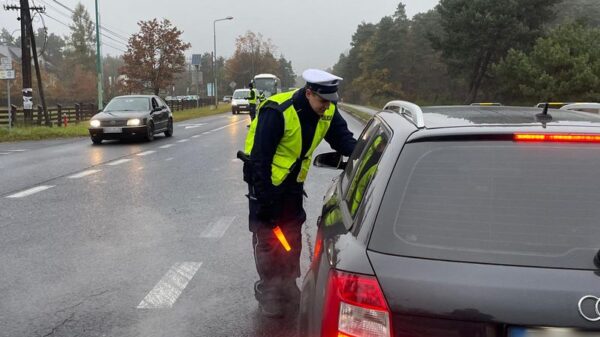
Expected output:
(76, 113)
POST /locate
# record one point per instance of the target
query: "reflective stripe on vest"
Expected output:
(290, 147)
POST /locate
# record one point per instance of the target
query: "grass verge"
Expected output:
(21, 133)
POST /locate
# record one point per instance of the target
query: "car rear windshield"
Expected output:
(129, 104)
(524, 204)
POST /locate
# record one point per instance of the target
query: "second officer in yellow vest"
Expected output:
(281, 140)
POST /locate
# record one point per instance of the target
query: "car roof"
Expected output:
(136, 96)
(464, 116)
(582, 105)
(484, 117)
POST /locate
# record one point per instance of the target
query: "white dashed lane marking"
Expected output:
(168, 289)
(83, 174)
(206, 133)
(193, 126)
(218, 228)
(195, 136)
(183, 141)
(166, 146)
(145, 153)
(228, 125)
(119, 162)
(30, 191)
(168, 159)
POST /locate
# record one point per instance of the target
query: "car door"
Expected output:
(158, 115)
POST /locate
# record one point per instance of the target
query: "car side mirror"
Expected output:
(332, 160)
(155, 109)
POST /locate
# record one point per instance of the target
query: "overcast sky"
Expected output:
(310, 33)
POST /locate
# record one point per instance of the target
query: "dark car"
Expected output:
(464, 221)
(140, 116)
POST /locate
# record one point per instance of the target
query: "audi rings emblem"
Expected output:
(590, 315)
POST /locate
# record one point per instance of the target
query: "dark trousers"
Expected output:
(277, 268)
(252, 111)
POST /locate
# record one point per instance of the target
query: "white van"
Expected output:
(239, 102)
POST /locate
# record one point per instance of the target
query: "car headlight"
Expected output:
(234, 103)
(94, 123)
(133, 122)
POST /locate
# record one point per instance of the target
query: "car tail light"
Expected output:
(573, 138)
(355, 307)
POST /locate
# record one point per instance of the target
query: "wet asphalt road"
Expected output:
(134, 238)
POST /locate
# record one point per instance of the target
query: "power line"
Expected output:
(102, 27)
(104, 43)
(104, 35)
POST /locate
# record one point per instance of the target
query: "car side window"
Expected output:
(363, 140)
(162, 102)
(366, 168)
(154, 103)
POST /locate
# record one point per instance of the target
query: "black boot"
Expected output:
(269, 301)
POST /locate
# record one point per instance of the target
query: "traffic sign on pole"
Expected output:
(7, 74)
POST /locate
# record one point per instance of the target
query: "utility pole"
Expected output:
(37, 69)
(27, 90)
(26, 64)
(99, 72)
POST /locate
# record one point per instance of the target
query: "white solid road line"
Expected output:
(119, 162)
(168, 289)
(30, 191)
(145, 153)
(166, 146)
(183, 141)
(83, 174)
(218, 229)
(228, 125)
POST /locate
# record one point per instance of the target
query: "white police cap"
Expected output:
(322, 83)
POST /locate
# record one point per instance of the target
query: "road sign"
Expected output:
(232, 84)
(5, 66)
(5, 60)
(196, 59)
(7, 74)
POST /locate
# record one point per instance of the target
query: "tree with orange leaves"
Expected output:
(154, 56)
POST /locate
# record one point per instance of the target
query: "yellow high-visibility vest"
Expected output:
(290, 146)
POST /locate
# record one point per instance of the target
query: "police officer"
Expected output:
(252, 100)
(280, 144)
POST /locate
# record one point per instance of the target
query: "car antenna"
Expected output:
(544, 117)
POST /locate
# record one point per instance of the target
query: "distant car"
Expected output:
(239, 102)
(585, 107)
(132, 116)
(226, 98)
(460, 221)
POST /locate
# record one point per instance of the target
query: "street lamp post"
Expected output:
(215, 58)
